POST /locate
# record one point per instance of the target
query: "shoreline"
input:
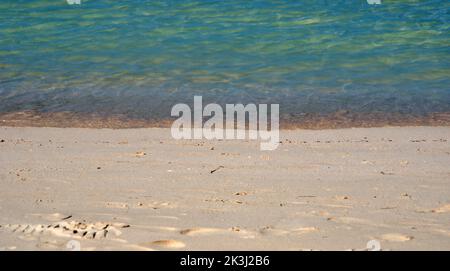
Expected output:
(338, 120)
(320, 190)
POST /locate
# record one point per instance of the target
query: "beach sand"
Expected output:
(139, 189)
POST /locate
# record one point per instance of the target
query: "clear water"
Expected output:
(140, 57)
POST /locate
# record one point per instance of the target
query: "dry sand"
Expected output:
(138, 189)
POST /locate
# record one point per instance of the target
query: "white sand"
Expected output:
(139, 189)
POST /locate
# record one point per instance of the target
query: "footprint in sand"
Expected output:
(269, 230)
(209, 231)
(156, 205)
(151, 205)
(396, 237)
(117, 205)
(304, 230)
(140, 154)
(342, 197)
(200, 231)
(72, 229)
(173, 244)
(442, 209)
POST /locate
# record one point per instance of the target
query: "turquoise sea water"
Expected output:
(138, 57)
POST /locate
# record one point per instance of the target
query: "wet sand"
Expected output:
(336, 120)
(139, 189)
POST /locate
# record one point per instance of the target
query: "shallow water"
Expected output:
(138, 58)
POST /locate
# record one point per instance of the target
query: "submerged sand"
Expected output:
(139, 189)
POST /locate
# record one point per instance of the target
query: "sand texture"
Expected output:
(139, 189)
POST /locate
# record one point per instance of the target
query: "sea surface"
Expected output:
(137, 58)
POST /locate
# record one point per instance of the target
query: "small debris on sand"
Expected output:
(406, 195)
(216, 169)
